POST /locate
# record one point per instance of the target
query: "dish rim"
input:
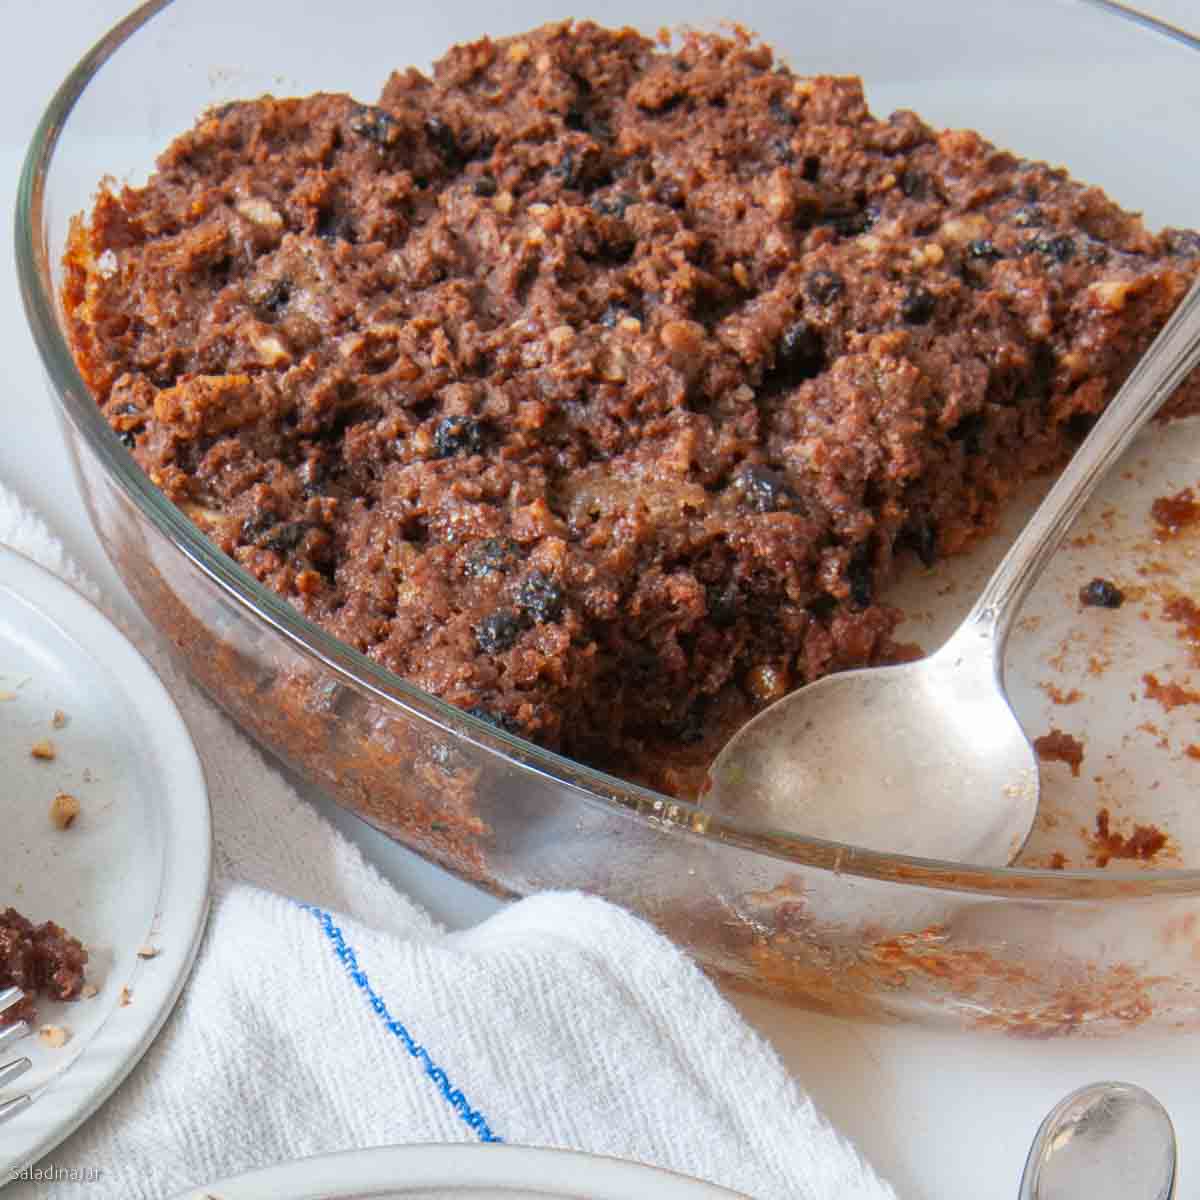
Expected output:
(359, 673)
(391, 1172)
(184, 890)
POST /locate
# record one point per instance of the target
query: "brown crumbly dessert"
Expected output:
(599, 388)
(41, 960)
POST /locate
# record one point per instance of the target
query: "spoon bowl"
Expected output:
(1106, 1141)
(927, 759)
(853, 755)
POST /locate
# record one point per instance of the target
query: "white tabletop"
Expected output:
(941, 1114)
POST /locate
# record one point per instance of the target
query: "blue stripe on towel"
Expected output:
(453, 1096)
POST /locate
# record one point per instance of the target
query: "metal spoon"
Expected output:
(1107, 1141)
(927, 758)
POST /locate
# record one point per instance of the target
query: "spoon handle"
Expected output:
(1160, 371)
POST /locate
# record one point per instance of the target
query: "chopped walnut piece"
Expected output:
(126, 997)
(89, 991)
(64, 808)
(148, 951)
(54, 1036)
(1111, 293)
(682, 337)
(44, 750)
(59, 720)
(259, 212)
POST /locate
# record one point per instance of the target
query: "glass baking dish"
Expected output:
(1030, 949)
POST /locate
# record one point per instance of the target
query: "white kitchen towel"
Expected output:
(327, 1012)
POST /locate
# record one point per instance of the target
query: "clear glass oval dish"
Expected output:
(1106, 944)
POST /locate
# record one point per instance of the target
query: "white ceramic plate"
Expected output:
(462, 1173)
(133, 870)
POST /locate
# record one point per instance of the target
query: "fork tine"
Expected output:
(13, 1070)
(17, 1068)
(12, 1107)
(13, 1033)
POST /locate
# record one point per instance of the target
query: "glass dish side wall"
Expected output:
(1037, 963)
(853, 946)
